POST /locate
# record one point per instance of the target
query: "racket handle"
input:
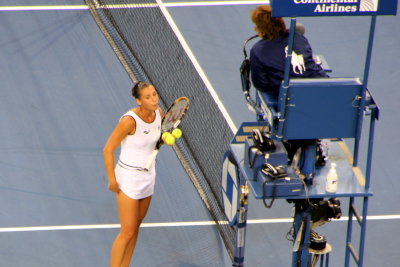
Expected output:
(151, 159)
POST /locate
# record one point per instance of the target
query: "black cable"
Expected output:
(272, 194)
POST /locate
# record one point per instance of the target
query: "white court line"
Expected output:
(170, 224)
(40, 8)
(197, 66)
(144, 5)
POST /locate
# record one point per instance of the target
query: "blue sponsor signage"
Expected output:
(308, 8)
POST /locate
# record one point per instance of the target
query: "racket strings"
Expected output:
(174, 114)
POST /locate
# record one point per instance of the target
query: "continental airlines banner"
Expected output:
(307, 8)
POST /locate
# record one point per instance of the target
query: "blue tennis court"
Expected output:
(62, 92)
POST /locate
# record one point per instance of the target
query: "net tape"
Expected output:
(150, 51)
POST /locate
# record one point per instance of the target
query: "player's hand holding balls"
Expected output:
(168, 138)
(171, 119)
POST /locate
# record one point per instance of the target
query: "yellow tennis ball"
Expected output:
(177, 133)
(164, 135)
(169, 139)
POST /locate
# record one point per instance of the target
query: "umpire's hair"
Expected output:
(137, 88)
(269, 27)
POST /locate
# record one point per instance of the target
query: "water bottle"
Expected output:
(331, 180)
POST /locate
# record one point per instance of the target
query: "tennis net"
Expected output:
(150, 51)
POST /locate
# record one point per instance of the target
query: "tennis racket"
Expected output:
(171, 120)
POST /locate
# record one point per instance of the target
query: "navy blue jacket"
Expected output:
(267, 62)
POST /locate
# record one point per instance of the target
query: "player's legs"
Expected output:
(130, 219)
(143, 208)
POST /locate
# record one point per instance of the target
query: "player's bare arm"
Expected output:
(126, 125)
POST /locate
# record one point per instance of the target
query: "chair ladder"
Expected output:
(361, 219)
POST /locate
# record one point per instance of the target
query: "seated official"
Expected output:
(267, 67)
(268, 56)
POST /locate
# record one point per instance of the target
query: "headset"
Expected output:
(263, 141)
(274, 171)
(262, 144)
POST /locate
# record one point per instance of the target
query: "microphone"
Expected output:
(300, 28)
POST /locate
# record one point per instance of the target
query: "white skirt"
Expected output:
(135, 184)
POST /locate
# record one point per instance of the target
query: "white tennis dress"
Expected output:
(135, 182)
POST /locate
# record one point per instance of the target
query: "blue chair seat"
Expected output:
(318, 108)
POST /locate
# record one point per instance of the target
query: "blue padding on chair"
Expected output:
(322, 108)
(269, 105)
(268, 99)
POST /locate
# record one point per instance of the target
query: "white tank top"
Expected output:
(136, 148)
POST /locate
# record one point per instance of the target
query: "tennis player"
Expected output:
(137, 133)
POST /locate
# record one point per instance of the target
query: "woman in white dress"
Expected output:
(137, 133)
